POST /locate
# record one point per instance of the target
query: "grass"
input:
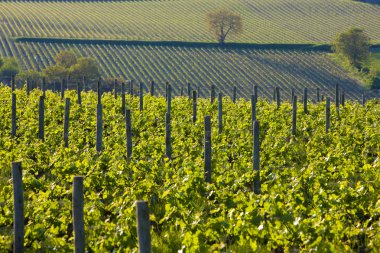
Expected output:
(375, 62)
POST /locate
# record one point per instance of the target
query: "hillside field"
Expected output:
(275, 22)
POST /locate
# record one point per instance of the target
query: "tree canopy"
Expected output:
(224, 22)
(353, 45)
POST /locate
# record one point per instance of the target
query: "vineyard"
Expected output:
(319, 189)
(275, 21)
(203, 67)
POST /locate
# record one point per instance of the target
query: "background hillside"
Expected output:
(284, 21)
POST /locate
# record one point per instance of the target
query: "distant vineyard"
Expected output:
(203, 67)
(284, 21)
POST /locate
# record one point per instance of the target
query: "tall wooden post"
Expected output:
(212, 95)
(194, 106)
(141, 94)
(78, 217)
(14, 111)
(62, 88)
(256, 158)
(152, 88)
(41, 119)
(66, 123)
(294, 118)
(207, 149)
(234, 94)
(278, 98)
(305, 100)
(220, 113)
(128, 126)
(18, 205)
(123, 97)
(327, 114)
(143, 227)
(169, 99)
(168, 144)
(114, 88)
(99, 127)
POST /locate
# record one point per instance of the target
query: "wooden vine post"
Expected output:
(79, 94)
(14, 111)
(141, 94)
(305, 100)
(13, 83)
(152, 88)
(234, 94)
(128, 127)
(27, 86)
(363, 99)
(78, 217)
(99, 120)
(131, 87)
(123, 97)
(327, 114)
(255, 92)
(278, 99)
(41, 119)
(212, 93)
(62, 88)
(337, 96)
(168, 145)
(256, 158)
(253, 108)
(318, 95)
(294, 118)
(292, 95)
(207, 149)
(143, 227)
(114, 88)
(274, 94)
(66, 123)
(220, 113)
(44, 86)
(169, 98)
(18, 206)
(194, 106)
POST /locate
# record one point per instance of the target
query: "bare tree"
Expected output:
(224, 22)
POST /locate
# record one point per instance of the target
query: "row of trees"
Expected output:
(68, 64)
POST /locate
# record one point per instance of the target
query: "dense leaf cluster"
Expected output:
(319, 191)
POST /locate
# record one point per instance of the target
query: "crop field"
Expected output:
(204, 67)
(319, 191)
(274, 21)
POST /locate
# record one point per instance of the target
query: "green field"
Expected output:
(319, 192)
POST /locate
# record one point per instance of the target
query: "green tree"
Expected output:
(353, 45)
(8, 68)
(30, 75)
(224, 22)
(55, 73)
(85, 66)
(66, 58)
